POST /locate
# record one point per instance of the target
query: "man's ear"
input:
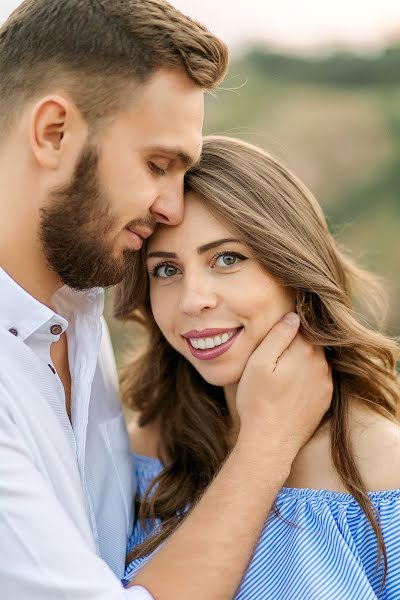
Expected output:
(54, 120)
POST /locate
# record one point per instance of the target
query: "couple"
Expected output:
(102, 110)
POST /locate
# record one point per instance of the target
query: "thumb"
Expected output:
(280, 337)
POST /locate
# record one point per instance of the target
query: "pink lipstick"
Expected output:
(210, 353)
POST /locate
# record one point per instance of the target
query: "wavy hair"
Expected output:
(278, 218)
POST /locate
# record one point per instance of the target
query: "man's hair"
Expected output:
(95, 48)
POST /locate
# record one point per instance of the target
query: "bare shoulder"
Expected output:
(376, 448)
(144, 440)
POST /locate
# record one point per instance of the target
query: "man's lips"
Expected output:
(142, 233)
(137, 236)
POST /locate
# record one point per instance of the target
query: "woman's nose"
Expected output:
(196, 296)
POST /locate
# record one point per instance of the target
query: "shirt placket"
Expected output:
(40, 343)
(83, 351)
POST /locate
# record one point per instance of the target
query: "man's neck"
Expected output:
(31, 272)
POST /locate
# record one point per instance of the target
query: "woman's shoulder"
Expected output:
(375, 441)
(376, 446)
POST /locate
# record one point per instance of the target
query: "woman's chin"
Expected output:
(219, 372)
(221, 379)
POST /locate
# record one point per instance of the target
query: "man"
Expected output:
(101, 115)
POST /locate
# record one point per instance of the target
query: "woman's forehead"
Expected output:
(199, 225)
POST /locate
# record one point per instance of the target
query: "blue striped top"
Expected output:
(327, 551)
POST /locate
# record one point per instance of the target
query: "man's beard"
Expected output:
(76, 231)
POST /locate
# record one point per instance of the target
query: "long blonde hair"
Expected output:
(278, 218)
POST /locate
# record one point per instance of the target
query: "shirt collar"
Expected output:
(23, 314)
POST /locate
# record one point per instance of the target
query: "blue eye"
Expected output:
(164, 271)
(225, 260)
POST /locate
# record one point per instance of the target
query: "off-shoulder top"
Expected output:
(320, 547)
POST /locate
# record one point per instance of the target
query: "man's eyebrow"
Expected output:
(185, 159)
(200, 249)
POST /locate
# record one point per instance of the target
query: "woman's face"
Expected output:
(210, 298)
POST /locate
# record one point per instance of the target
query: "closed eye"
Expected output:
(156, 169)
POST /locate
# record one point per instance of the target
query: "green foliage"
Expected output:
(342, 68)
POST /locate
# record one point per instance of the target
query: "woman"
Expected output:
(254, 245)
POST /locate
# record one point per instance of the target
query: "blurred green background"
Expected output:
(335, 121)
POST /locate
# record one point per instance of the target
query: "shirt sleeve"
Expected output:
(43, 556)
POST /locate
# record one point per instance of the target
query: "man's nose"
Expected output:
(169, 205)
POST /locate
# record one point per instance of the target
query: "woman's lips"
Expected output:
(204, 333)
(210, 353)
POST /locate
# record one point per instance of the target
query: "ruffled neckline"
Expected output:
(149, 466)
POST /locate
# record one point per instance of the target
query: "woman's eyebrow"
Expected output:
(215, 244)
(200, 249)
(160, 254)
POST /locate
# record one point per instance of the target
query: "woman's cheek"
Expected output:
(158, 312)
(163, 316)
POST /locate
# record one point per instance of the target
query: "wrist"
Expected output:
(270, 455)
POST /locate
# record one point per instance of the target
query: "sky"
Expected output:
(290, 23)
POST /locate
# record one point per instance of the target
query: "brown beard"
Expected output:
(76, 230)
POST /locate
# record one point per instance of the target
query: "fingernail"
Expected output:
(291, 318)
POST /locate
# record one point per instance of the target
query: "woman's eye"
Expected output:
(165, 271)
(228, 260)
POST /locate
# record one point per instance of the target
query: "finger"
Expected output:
(303, 352)
(302, 346)
(280, 337)
(298, 347)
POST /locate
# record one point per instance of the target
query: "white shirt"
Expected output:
(65, 491)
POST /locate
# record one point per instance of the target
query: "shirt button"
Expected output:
(56, 330)
(13, 331)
